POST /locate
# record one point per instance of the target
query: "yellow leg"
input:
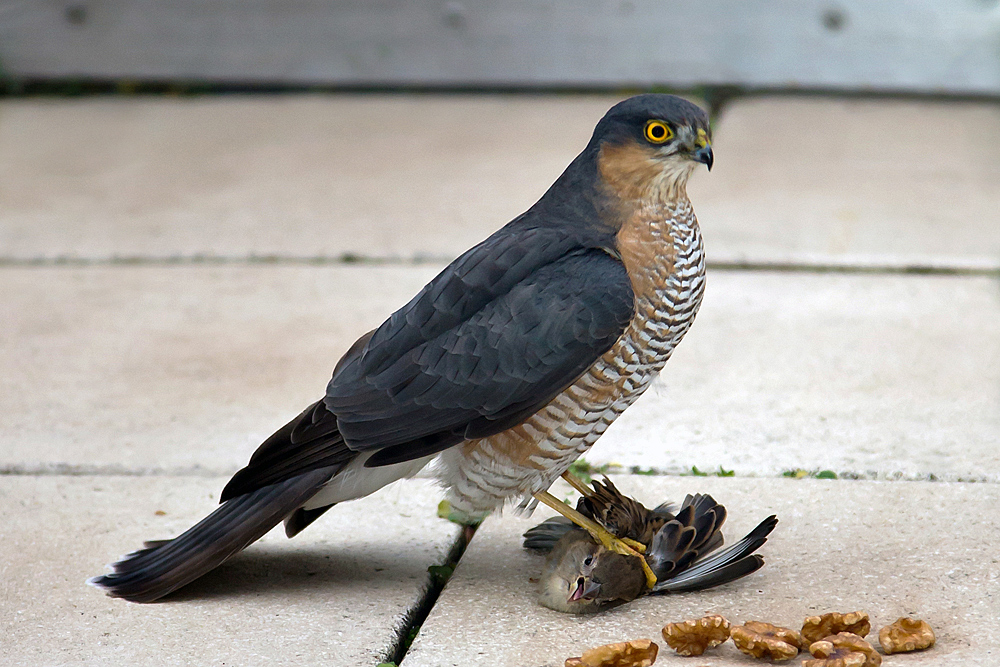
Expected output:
(577, 484)
(635, 544)
(599, 532)
(586, 492)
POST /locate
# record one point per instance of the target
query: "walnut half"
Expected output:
(827, 655)
(638, 653)
(906, 634)
(815, 628)
(847, 647)
(696, 636)
(757, 639)
(786, 635)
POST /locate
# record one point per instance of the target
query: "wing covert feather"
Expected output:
(486, 362)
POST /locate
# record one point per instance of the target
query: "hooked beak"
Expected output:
(586, 589)
(704, 155)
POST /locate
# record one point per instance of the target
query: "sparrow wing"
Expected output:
(722, 566)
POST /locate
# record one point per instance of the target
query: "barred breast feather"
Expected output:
(661, 247)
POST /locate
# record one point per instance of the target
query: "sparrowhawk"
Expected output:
(508, 365)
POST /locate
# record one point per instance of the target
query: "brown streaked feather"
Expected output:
(693, 532)
(621, 515)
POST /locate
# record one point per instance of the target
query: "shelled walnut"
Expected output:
(843, 644)
(906, 634)
(815, 628)
(694, 637)
(786, 635)
(766, 645)
(637, 653)
(827, 655)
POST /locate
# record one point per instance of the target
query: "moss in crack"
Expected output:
(437, 579)
(586, 471)
(799, 473)
(721, 472)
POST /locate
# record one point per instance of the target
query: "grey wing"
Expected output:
(306, 443)
(436, 374)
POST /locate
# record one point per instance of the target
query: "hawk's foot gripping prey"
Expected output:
(619, 545)
(593, 496)
(582, 576)
(508, 365)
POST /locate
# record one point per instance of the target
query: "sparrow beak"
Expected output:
(586, 589)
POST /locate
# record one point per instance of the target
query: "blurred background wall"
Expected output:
(929, 46)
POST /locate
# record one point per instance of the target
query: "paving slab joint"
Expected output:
(438, 578)
(108, 470)
(587, 470)
(73, 261)
(877, 266)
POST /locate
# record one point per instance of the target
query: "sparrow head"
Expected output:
(582, 577)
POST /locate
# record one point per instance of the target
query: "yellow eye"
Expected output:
(658, 132)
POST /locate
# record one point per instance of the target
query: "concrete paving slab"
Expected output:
(300, 175)
(169, 369)
(889, 548)
(876, 376)
(334, 595)
(158, 368)
(870, 182)
(808, 180)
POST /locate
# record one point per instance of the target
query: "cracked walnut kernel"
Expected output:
(905, 635)
(637, 653)
(786, 635)
(815, 628)
(845, 643)
(830, 656)
(760, 645)
(694, 637)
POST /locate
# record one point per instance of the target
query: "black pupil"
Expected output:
(657, 131)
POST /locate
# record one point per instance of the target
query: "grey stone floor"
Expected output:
(177, 280)
(889, 548)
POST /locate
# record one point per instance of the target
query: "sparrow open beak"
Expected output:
(586, 589)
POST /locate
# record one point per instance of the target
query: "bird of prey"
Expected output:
(508, 365)
(582, 576)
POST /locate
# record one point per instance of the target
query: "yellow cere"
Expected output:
(658, 132)
(702, 140)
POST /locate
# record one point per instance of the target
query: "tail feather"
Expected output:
(722, 566)
(713, 578)
(298, 520)
(164, 566)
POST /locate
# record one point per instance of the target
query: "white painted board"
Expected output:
(949, 46)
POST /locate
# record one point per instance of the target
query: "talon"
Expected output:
(600, 534)
(638, 546)
(650, 577)
(628, 547)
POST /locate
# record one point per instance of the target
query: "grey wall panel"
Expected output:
(928, 45)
